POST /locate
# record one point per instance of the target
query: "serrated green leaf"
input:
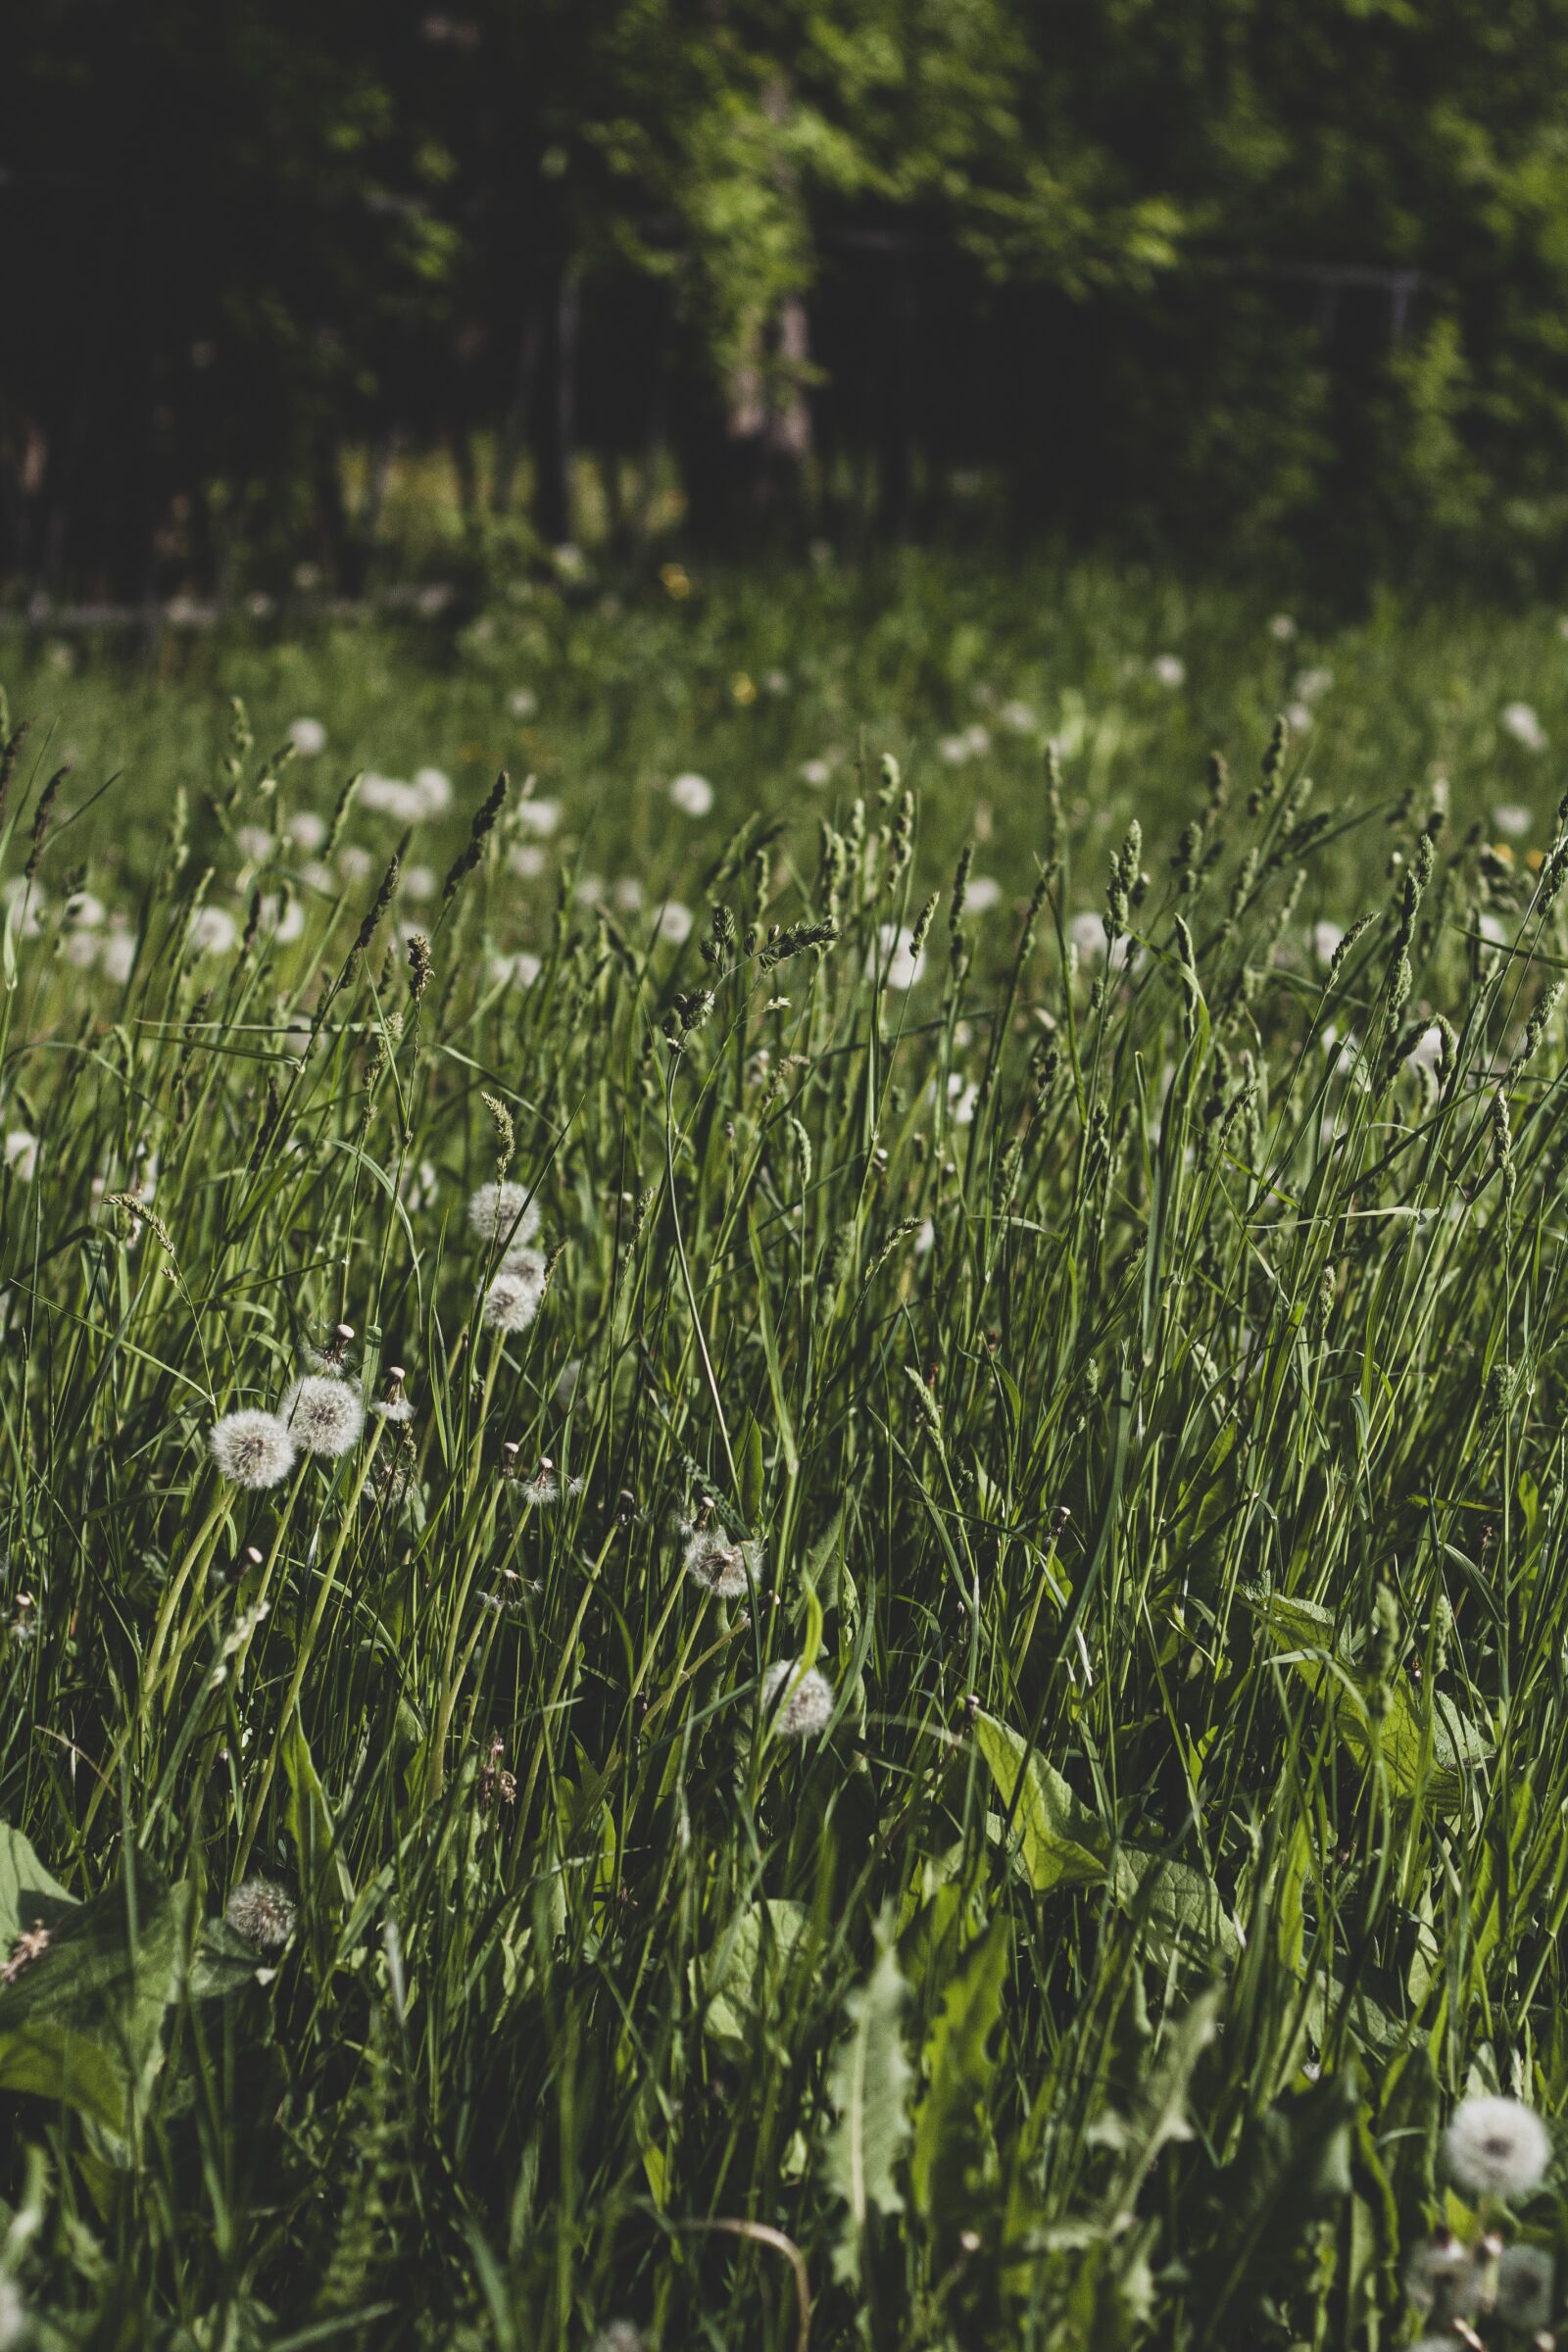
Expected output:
(960, 2063)
(868, 2084)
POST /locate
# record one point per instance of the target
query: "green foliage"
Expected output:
(1122, 1358)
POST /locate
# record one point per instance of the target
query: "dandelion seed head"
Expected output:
(1520, 720)
(1282, 627)
(214, 931)
(528, 861)
(1169, 669)
(1512, 820)
(691, 794)
(117, 956)
(21, 1154)
(1444, 2274)
(503, 1215)
(1526, 2277)
(522, 702)
(1326, 938)
(540, 817)
(1498, 2147)
(305, 830)
(433, 789)
(983, 892)
(674, 923)
(617, 2335)
(718, 1565)
(513, 1300)
(251, 1448)
(807, 1710)
(325, 1414)
(819, 773)
(261, 1911)
(13, 2315)
(309, 737)
(895, 957)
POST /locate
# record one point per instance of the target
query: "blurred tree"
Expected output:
(1204, 269)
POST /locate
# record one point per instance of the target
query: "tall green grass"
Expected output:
(1131, 1379)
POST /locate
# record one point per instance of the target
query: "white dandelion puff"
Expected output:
(1519, 720)
(254, 843)
(522, 702)
(617, 2335)
(1512, 820)
(1326, 939)
(392, 796)
(261, 1911)
(520, 970)
(214, 931)
(309, 737)
(894, 955)
(513, 1300)
(807, 1697)
(627, 895)
(541, 817)
(1525, 2282)
(13, 2316)
(417, 883)
(433, 789)
(978, 738)
(718, 1565)
(1498, 2147)
(816, 773)
(117, 958)
(21, 1154)
(1311, 685)
(251, 1448)
(954, 749)
(1442, 2274)
(324, 1413)
(1019, 717)
(983, 892)
(691, 794)
(673, 923)
(84, 911)
(305, 830)
(1169, 669)
(528, 861)
(1282, 627)
(503, 1215)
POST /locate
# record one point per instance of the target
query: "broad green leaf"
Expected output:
(29, 1895)
(950, 2127)
(868, 2084)
(1180, 1909)
(82, 2022)
(741, 1976)
(1061, 1843)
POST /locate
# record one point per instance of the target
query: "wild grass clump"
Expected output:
(847, 1629)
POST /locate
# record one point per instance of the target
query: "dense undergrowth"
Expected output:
(1122, 1359)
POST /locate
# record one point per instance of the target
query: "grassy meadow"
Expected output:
(782, 1510)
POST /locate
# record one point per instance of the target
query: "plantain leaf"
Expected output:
(1060, 1843)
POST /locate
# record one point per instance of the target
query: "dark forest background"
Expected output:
(1202, 273)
